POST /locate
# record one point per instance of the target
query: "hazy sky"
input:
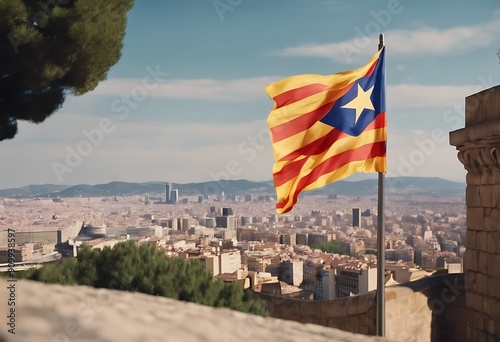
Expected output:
(187, 100)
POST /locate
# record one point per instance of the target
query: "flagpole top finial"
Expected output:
(381, 42)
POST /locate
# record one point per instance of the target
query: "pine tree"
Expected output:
(52, 48)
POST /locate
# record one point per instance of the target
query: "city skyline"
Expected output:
(187, 98)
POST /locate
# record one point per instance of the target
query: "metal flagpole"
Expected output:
(381, 243)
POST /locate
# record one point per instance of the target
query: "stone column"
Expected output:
(478, 146)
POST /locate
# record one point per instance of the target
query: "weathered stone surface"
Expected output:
(470, 240)
(494, 265)
(491, 248)
(494, 287)
(79, 313)
(485, 195)
(483, 256)
(482, 283)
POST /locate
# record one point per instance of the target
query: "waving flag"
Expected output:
(325, 128)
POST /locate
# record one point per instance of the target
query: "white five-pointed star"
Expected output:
(360, 102)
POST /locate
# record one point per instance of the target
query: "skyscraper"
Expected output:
(356, 217)
(168, 188)
(174, 196)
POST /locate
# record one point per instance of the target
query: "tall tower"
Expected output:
(356, 217)
(168, 188)
(174, 196)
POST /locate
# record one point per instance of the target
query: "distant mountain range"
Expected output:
(397, 185)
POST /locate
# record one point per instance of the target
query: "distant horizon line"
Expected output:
(208, 181)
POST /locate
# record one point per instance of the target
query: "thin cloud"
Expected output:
(251, 89)
(421, 95)
(424, 41)
(236, 90)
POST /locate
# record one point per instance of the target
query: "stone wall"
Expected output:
(55, 313)
(478, 146)
(424, 310)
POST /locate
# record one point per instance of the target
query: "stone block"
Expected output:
(336, 310)
(468, 332)
(482, 284)
(495, 217)
(485, 192)
(472, 258)
(494, 265)
(494, 287)
(496, 237)
(469, 300)
(497, 327)
(481, 336)
(486, 178)
(488, 306)
(475, 218)
(483, 256)
(491, 248)
(481, 241)
(478, 303)
(495, 196)
(488, 224)
(496, 315)
(365, 303)
(470, 179)
(472, 198)
(490, 326)
(470, 239)
(470, 282)
(477, 320)
(352, 308)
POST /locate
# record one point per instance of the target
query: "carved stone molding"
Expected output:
(479, 157)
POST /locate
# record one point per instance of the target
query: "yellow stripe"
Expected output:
(377, 164)
(313, 162)
(301, 139)
(298, 81)
(287, 146)
(281, 115)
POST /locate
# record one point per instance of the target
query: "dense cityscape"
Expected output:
(325, 249)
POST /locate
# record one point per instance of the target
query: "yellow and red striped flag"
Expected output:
(325, 128)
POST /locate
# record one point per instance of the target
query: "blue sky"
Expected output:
(187, 100)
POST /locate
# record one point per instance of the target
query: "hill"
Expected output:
(397, 185)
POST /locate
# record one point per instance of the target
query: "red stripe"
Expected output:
(322, 144)
(288, 172)
(316, 147)
(374, 65)
(364, 152)
(297, 94)
(300, 123)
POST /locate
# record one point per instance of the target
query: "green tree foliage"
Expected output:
(144, 269)
(51, 48)
(332, 246)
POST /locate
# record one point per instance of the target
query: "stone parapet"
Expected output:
(478, 146)
(430, 309)
(79, 314)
